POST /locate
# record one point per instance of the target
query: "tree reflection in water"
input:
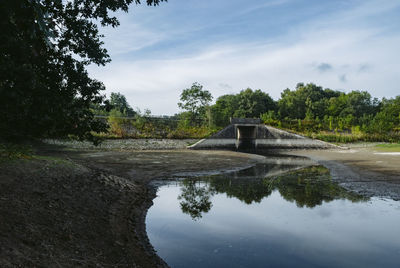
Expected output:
(195, 198)
(307, 187)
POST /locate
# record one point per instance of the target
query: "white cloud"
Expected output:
(363, 59)
(130, 36)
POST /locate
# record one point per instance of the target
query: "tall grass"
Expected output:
(355, 137)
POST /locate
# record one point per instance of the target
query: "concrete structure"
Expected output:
(245, 134)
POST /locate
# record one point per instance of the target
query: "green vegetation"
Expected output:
(195, 102)
(246, 104)
(124, 122)
(309, 110)
(394, 147)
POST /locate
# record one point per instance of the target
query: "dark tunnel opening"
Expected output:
(246, 138)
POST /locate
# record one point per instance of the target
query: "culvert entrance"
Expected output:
(246, 138)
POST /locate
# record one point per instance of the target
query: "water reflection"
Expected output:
(195, 198)
(307, 187)
(272, 215)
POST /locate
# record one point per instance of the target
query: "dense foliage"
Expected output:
(45, 46)
(322, 113)
(246, 104)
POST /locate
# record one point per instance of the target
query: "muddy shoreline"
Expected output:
(82, 207)
(75, 205)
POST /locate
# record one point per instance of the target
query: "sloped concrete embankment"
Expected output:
(265, 138)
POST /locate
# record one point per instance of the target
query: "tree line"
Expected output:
(307, 109)
(319, 112)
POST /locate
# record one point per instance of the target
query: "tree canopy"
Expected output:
(194, 101)
(246, 104)
(311, 108)
(119, 102)
(253, 103)
(45, 46)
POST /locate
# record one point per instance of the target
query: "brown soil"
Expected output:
(69, 208)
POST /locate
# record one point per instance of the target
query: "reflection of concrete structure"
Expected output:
(246, 134)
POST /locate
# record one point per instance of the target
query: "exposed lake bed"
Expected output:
(123, 179)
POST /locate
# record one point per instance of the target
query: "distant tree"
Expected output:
(352, 108)
(251, 104)
(302, 102)
(306, 102)
(223, 109)
(119, 102)
(45, 46)
(195, 100)
(388, 118)
(246, 104)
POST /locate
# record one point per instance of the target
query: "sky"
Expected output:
(230, 45)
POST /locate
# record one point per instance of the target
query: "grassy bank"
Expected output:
(392, 147)
(350, 137)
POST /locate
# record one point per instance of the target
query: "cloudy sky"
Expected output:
(229, 45)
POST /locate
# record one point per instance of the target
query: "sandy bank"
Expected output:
(362, 169)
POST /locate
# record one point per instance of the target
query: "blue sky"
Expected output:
(229, 45)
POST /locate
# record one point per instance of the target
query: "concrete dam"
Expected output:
(248, 134)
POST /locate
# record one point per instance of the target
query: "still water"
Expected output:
(272, 215)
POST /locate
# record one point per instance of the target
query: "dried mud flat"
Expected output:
(83, 207)
(73, 205)
(361, 168)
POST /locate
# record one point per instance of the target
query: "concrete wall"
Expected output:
(257, 137)
(214, 144)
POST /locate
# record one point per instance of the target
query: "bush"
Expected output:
(10, 151)
(191, 133)
(118, 124)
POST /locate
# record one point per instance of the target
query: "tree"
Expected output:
(388, 118)
(223, 109)
(352, 108)
(305, 101)
(253, 103)
(119, 102)
(45, 46)
(246, 104)
(195, 100)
